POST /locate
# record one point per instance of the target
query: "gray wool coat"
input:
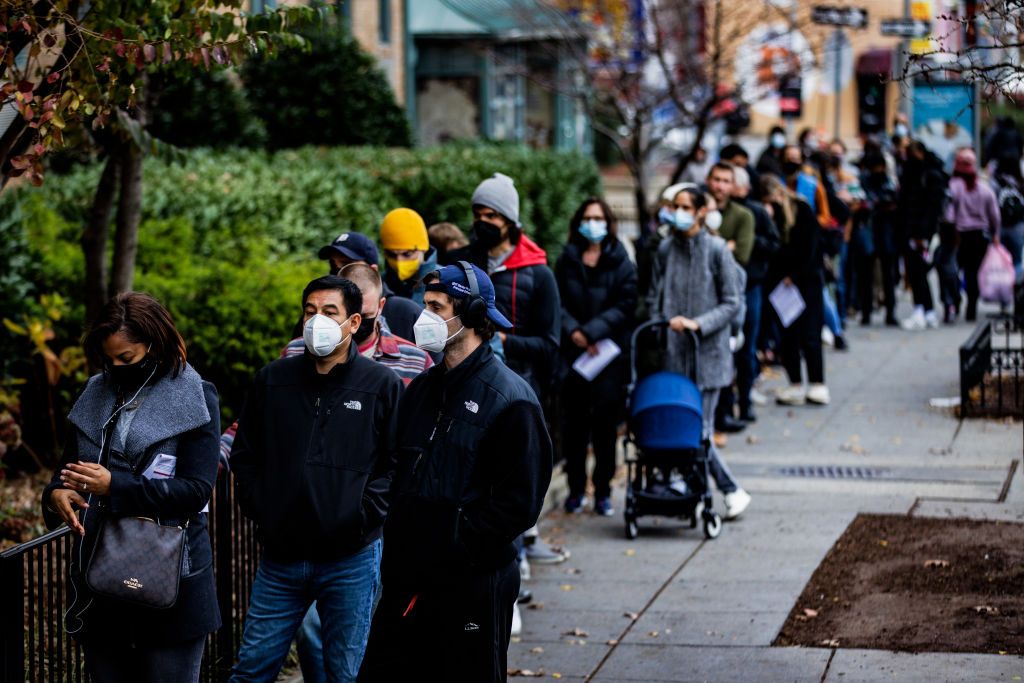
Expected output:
(698, 278)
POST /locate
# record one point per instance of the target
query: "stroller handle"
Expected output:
(650, 325)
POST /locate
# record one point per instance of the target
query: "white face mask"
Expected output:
(713, 220)
(322, 335)
(778, 140)
(431, 332)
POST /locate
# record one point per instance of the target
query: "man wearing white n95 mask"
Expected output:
(473, 465)
(312, 461)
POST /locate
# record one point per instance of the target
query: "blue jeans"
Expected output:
(344, 591)
(747, 367)
(831, 313)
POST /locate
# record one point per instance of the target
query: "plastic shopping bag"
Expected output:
(996, 276)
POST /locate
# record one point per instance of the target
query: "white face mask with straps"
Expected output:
(431, 331)
(322, 335)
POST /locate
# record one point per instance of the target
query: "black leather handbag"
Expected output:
(138, 560)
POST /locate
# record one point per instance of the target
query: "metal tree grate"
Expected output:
(831, 472)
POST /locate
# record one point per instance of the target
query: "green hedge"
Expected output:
(228, 240)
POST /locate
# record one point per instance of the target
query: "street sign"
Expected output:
(906, 28)
(791, 97)
(849, 17)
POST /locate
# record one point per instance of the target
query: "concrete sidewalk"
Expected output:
(671, 606)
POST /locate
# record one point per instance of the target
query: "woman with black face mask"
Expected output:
(143, 442)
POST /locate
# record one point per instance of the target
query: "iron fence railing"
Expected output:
(992, 369)
(34, 594)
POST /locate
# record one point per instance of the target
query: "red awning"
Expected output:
(876, 61)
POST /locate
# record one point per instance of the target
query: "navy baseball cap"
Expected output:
(452, 281)
(353, 245)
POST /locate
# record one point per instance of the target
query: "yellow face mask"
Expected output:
(404, 269)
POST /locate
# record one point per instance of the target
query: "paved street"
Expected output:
(671, 606)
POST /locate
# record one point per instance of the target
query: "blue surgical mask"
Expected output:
(682, 220)
(594, 230)
(778, 140)
(665, 216)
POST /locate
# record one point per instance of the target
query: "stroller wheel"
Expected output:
(698, 512)
(632, 530)
(712, 525)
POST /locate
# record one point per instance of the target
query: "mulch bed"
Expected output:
(916, 585)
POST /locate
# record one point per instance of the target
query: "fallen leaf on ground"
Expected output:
(556, 675)
(567, 587)
(986, 609)
(611, 642)
(652, 634)
(884, 544)
(631, 615)
(810, 613)
(515, 639)
(526, 673)
(830, 643)
(578, 632)
(573, 570)
(535, 605)
(936, 563)
(753, 439)
(629, 553)
(536, 650)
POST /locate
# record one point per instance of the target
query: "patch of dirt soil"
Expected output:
(916, 585)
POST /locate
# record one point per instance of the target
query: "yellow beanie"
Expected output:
(403, 230)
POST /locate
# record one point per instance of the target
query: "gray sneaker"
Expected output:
(542, 553)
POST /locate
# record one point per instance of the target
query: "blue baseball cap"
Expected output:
(453, 281)
(352, 245)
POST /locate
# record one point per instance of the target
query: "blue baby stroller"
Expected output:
(669, 476)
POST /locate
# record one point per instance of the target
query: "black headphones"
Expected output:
(476, 307)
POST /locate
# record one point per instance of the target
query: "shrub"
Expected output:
(331, 93)
(206, 109)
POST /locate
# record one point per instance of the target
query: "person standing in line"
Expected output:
(376, 342)
(473, 464)
(597, 287)
(408, 255)
(1009, 188)
(696, 287)
(878, 215)
(154, 422)
(766, 245)
(737, 229)
(922, 190)
(312, 463)
(974, 210)
(798, 264)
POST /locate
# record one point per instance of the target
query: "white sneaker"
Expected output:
(915, 322)
(792, 395)
(931, 319)
(818, 394)
(757, 398)
(735, 503)
(517, 621)
(524, 569)
(827, 338)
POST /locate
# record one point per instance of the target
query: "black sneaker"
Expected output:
(730, 425)
(840, 344)
(574, 504)
(603, 507)
(748, 415)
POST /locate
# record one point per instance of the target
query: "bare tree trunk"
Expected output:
(129, 213)
(638, 168)
(94, 238)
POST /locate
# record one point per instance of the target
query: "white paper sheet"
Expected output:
(589, 366)
(787, 302)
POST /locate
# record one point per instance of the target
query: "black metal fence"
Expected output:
(992, 370)
(34, 594)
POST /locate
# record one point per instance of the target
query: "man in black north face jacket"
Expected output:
(474, 463)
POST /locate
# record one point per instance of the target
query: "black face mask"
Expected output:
(489, 236)
(790, 167)
(365, 331)
(129, 378)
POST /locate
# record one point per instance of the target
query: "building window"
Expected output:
(384, 20)
(261, 6)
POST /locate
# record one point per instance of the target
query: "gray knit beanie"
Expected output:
(499, 193)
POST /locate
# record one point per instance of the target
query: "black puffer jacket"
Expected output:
(923, 186)
(599, 301)
(526, 293)
(474, 463)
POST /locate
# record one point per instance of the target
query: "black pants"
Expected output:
(973, 244)
(592, 412)
(802, 339)
(866, 278)
(119, 663)
(917, 273)
(459, 632)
